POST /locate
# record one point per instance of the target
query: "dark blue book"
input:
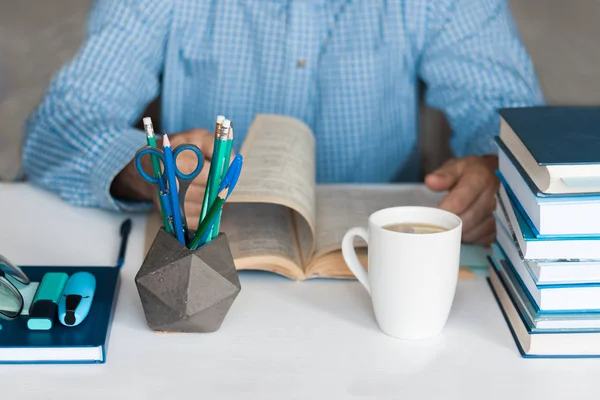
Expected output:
(84, 343)
(556, 147)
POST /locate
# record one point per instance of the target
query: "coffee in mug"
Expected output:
(417, 228)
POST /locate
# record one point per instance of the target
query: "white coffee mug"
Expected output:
(411, 277)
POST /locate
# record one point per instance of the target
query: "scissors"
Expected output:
(183, 180)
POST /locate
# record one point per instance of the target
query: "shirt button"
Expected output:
(301, 63)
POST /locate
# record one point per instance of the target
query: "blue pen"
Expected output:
(171, 179)
(125, 231)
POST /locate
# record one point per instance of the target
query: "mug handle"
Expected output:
(349, 253)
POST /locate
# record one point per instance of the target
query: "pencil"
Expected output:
(228, 145)
(217, 163)
(151, 140)
(205, 200)
(204, 229)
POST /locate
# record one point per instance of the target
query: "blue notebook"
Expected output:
(84, 343)
(555, 146)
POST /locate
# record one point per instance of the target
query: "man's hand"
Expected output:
(129, 185)
(472, 186)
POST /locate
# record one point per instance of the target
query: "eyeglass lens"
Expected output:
(11, 301)
(11, 269)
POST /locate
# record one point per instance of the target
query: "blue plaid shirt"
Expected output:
(348, 69)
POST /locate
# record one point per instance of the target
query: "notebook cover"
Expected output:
(92, 332)
(557, 135)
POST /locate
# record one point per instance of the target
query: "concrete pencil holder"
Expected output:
(187, 291)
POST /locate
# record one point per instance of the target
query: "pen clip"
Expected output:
(231, 177)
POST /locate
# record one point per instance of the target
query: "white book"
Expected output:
(556, 297)
(548, 272)
(538, 320)
(543, 247)
(552, 215)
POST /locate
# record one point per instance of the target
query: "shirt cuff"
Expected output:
(115, 155)
(481, 142)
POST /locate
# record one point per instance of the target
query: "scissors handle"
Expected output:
(199, 165)
(185, 180)
(138, 163)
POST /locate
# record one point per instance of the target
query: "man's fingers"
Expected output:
(187, 163)
(462, 196)
(445, 177)
(482, 233)
(204, 140)
(481, 209)
(199, 137)
(192, 213)
(193, 204)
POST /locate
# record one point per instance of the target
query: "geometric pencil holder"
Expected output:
(187, 291)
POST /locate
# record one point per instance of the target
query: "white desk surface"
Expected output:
(280, 340)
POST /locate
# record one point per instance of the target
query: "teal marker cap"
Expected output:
(44, 308)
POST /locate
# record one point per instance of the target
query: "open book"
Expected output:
(277, 219)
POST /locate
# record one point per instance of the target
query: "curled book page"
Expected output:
(279, 168)
(261, 236)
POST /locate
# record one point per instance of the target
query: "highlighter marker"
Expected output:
(44, 307)
(76, 299)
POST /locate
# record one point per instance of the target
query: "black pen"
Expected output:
(125, 230)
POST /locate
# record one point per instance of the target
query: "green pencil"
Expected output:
(211, 173)
(228, 144)
(204, 227)
(156, 168)
(219, 163)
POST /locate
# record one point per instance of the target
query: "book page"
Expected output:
(279, 168)
(340, 208)
(259, 234)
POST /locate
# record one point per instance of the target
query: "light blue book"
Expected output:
(547, 272)
(559, 216)
(542, 247)
(582, 298)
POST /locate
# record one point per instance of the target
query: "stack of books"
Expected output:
(545, 263)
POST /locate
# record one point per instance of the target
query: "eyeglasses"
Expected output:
(11, 300)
